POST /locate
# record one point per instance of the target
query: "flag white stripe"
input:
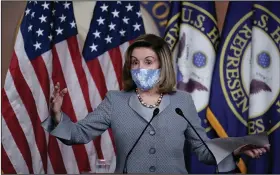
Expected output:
(12, 150)
(108, 71)
(25, 123)
(94, 95)
(75, 91)
(50, 168)
(123, 48)
(67, 152)
(47, 59)
(30, 77)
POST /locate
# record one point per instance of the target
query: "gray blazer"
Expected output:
(160, 149)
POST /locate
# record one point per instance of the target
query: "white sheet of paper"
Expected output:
(222, 147)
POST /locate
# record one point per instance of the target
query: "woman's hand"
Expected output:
(56, 101)
(252, 151)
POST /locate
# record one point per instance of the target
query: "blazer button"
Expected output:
(152, 151)
(152, 132)
(152, 169)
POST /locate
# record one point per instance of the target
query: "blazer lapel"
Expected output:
(164, 103)
(144, 112)
(135, 104)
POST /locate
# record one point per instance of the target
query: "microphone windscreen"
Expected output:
(156, 111)
(179, 111)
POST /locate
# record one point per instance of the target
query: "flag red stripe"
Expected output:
(98, 77)
(6, 164)
(77, 62)
(53, 148)
(29, 103)
(55, 156)
(42, 75)
(67, 107)
(16, 131)
(116, 58)
(97, 144)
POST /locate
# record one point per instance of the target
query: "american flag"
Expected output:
(48, 50)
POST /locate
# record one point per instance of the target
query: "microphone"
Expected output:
(156, 111)
(180, 112)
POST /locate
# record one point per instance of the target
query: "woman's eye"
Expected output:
(149, 62)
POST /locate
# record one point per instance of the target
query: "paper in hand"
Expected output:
(222, 147)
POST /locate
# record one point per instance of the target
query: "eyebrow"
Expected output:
(144, 58)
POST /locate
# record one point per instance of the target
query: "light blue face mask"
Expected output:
(145, 79)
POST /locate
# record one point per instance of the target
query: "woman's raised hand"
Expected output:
(56, 101)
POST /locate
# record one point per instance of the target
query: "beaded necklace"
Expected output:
(145, 104)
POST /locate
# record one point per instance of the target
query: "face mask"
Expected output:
(145, 79)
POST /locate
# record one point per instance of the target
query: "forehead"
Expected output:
(142, 52)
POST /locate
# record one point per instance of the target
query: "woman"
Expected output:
(149, 83)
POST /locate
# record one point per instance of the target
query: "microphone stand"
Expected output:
(180, 112)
